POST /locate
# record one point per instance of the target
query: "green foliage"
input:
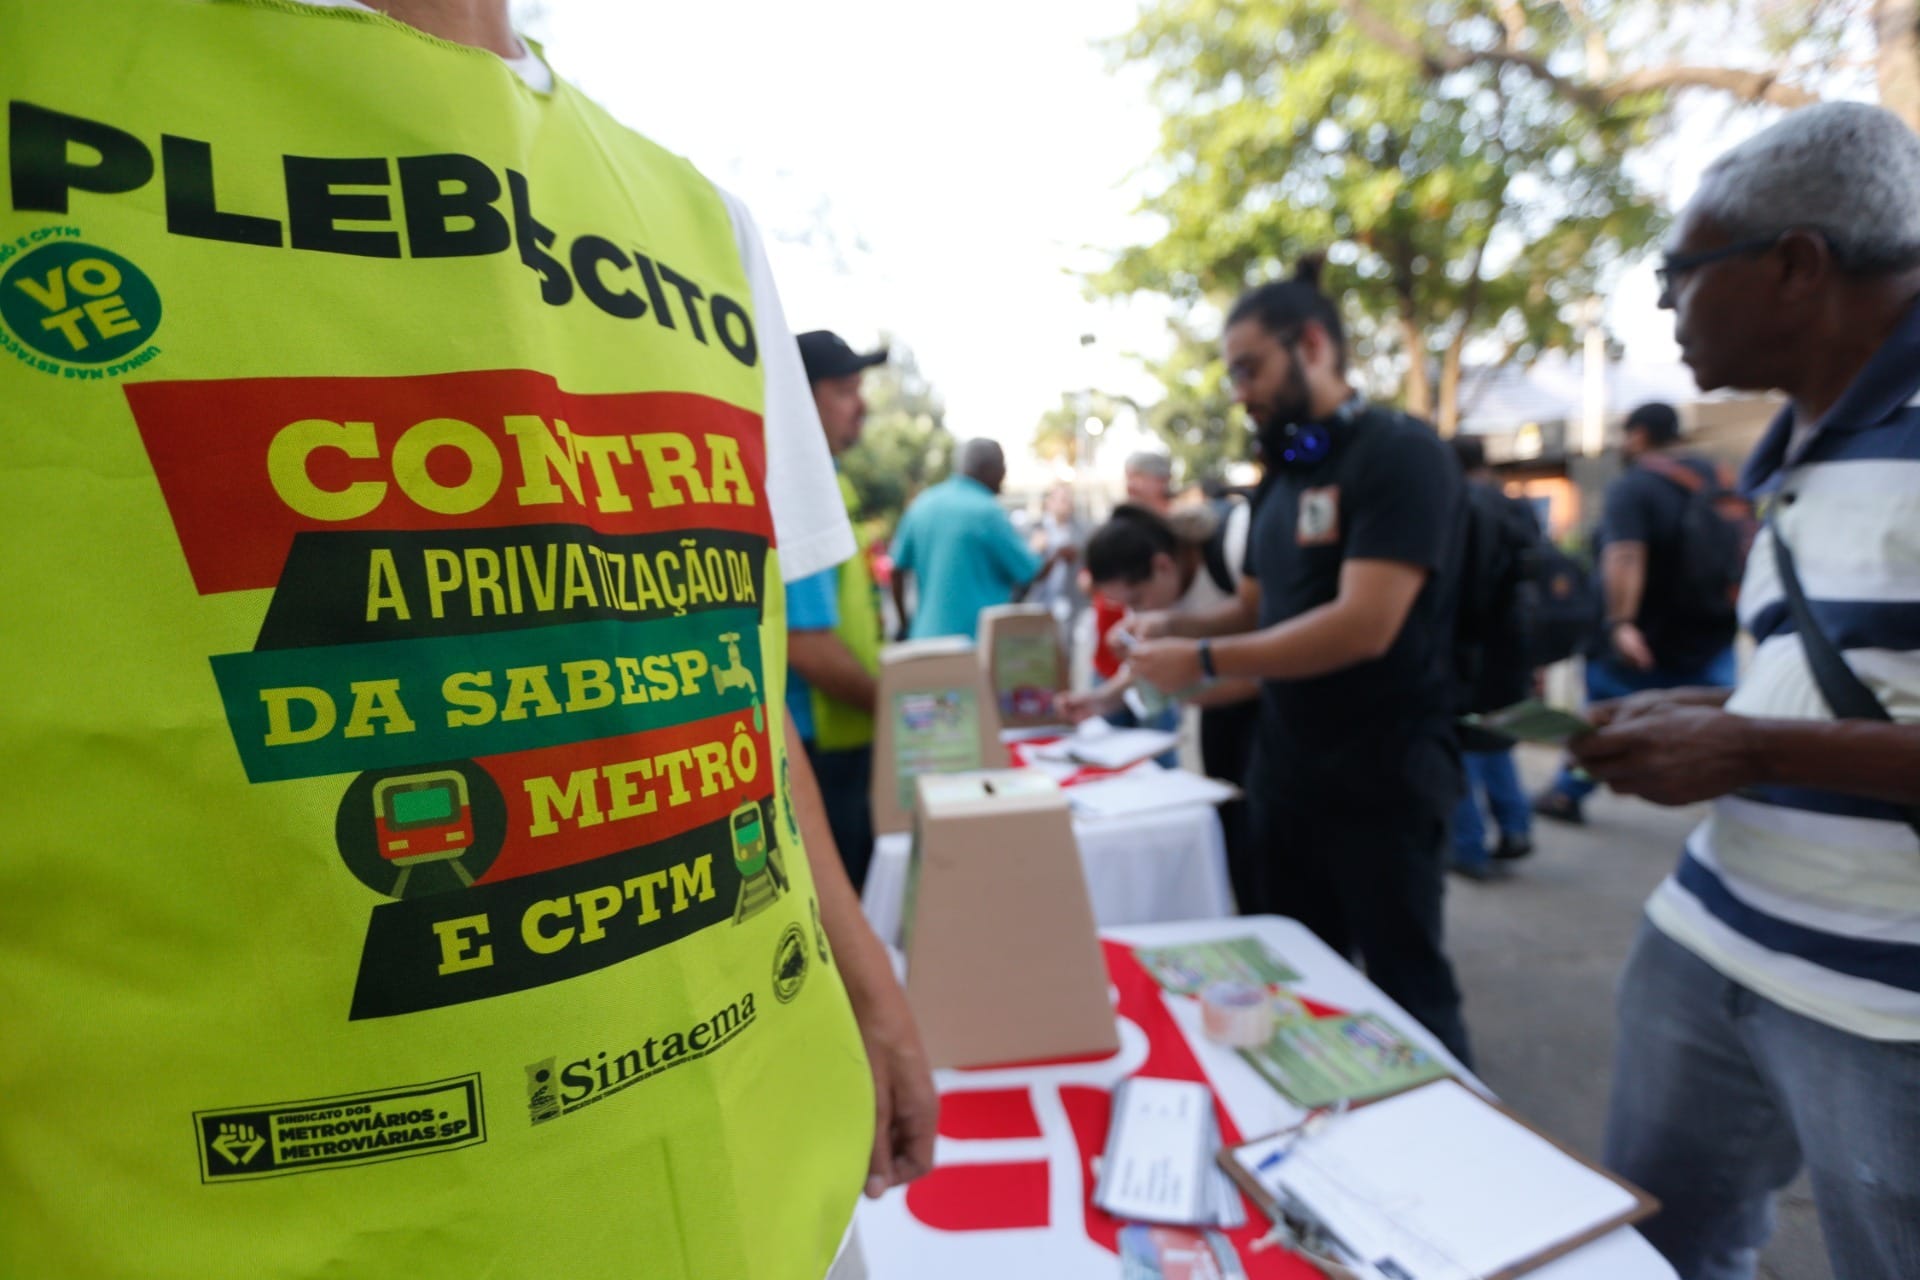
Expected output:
(1472, 203)
(906, 445)
(1195, 415)
(1060, 435)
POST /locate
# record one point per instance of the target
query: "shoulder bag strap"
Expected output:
(1847, 696)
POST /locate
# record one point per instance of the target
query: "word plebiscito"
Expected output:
(449, 207)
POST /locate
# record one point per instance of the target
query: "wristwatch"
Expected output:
(1205, 650)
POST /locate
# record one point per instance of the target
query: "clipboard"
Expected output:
(1634, 1204)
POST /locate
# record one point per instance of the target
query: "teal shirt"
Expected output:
(964, 555)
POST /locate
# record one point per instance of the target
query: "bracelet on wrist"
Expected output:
(1205, 650)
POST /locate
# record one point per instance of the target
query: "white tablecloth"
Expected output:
(1055, 1244)
(1170, 865)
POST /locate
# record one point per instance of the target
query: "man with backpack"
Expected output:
(1672, 545)
(1496, 625)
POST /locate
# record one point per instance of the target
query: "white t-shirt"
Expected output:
(809, 521)
(1203, 592)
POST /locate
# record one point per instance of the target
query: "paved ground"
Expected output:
(1538, 954)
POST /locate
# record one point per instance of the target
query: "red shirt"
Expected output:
(1106, 663)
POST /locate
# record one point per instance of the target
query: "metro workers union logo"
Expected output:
(789, 964)
(405, 832)
(75, 303)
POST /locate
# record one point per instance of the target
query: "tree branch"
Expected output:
(1514, 19)
(1747, 86)
(1438, 57)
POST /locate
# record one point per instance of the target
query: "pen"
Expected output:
(1315, 1120)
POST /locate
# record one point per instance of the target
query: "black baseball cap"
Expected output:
(827, 355)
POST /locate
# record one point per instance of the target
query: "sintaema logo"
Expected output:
(554, 1092)
(65, 302)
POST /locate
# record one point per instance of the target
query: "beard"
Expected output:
(1291, 407)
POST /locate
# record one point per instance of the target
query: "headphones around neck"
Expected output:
(1307, 444)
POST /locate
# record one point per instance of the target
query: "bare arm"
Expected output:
(1225, 693)
(1097, 701)
(1623, 576)
(1681, 754)
(1059, 555)
(1623, 581)
(1228, 618)
(1357, 625)
(905, 1103)
(1634, 705)
(1854, 757)
(829, 666)
(900, 597)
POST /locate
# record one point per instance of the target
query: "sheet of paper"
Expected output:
(1159, 1152)
(1186, 968)
(1436, 1184)
(1144, 790)
(1118, 748)
(1058, 770)
(1319, 1061)
(1098, 743)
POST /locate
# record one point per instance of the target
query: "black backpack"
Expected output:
(1558, 603)
(1522, 602)
(1716, 529)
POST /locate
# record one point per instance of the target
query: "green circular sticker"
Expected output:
(79, 303)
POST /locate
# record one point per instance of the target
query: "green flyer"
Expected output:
(1026, 673)
(1186, 968)
(933, 732)
(1318, 1061)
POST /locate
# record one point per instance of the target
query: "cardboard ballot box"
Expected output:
(1003, 964)
(935, 715)
(1025, 663)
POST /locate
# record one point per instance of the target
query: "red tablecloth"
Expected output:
(1017, 1193)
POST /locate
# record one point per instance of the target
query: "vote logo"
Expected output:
(78, 303)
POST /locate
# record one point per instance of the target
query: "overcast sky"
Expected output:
(939, 171)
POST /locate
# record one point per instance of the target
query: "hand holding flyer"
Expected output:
(1532, 721)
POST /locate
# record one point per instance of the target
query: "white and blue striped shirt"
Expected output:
(1812, 898)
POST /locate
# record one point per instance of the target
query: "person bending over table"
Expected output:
(1190, 561)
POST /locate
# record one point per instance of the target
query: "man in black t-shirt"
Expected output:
(1661, 632)
(1346, 617)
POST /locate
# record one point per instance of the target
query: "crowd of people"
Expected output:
(1333, 629)
(297, 905)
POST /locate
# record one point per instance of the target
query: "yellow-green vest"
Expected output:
(399, 877)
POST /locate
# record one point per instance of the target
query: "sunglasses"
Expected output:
(1675, 265)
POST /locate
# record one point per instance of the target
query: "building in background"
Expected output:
(1533, 419)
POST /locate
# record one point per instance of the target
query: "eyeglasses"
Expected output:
(1243, 371)
(1675, 265)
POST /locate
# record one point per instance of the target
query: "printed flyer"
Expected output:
(1185, 969)
(1319, 1061)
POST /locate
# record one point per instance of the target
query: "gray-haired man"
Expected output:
(1770, 1013)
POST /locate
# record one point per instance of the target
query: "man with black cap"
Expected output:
(833, 619)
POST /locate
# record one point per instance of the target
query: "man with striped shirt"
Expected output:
(1770, 1012)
